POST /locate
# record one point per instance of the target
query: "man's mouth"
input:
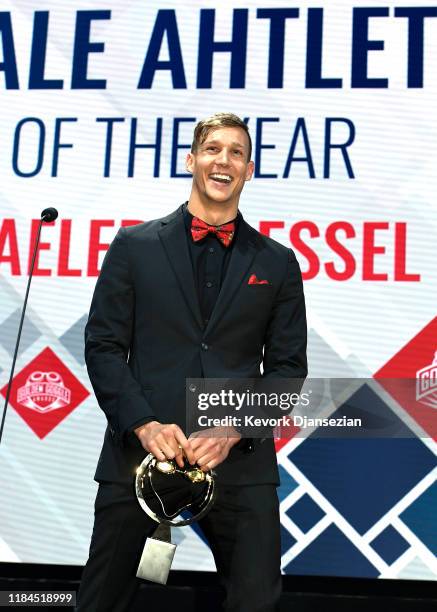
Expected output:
(221, 178)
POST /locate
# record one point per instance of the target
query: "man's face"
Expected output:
(220, 167)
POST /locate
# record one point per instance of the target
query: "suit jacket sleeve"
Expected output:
(286, 335)
(108, 340)
(284, 348)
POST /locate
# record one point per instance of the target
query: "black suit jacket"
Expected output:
(145, 336)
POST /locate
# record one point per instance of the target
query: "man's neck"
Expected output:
(212, 214)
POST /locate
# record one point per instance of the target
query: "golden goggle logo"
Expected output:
(426, 384)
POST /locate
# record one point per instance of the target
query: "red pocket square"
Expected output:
(254, 281)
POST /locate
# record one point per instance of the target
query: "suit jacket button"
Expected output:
(204, 346)
(192, 388)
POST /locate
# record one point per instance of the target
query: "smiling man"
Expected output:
(196, 294)
(220, 164)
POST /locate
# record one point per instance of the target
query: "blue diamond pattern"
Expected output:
(73, 339)
(421, 518)
(363, 478)
(9, 330)
(390, 545)
(305, 513)
(287, 540)
(331, 554)
(288, 484)
(195, 527)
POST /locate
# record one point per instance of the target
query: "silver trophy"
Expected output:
(164, 490)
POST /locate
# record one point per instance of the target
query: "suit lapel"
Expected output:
(174, 239)
(243, 253)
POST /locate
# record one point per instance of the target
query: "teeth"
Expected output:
(225, 178)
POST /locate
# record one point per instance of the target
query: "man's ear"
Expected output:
(189, 162)
(249, 170)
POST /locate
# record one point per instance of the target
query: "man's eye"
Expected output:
(211, 149)
(237, 152)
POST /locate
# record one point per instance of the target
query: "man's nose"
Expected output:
(223, 157)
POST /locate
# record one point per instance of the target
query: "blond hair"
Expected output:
(216, 121)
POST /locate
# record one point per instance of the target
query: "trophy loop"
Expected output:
(164, 490)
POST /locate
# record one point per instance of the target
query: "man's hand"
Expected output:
(165, 441)
(212, 446)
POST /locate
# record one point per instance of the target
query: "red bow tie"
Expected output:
(225, 232)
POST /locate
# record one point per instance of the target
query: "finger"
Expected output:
(186, 445)
(213, 462)
(195, 435)
(169, 436)
(165, 448)
(180, 457)
(209, 446)
(208, 457)
(156, 451)
(202, 441)
(195, 443)
(201, 447)
(198, 438)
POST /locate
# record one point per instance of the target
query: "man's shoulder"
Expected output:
(149, 229)
(271, 246)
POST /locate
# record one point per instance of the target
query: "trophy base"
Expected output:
(156, 560)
